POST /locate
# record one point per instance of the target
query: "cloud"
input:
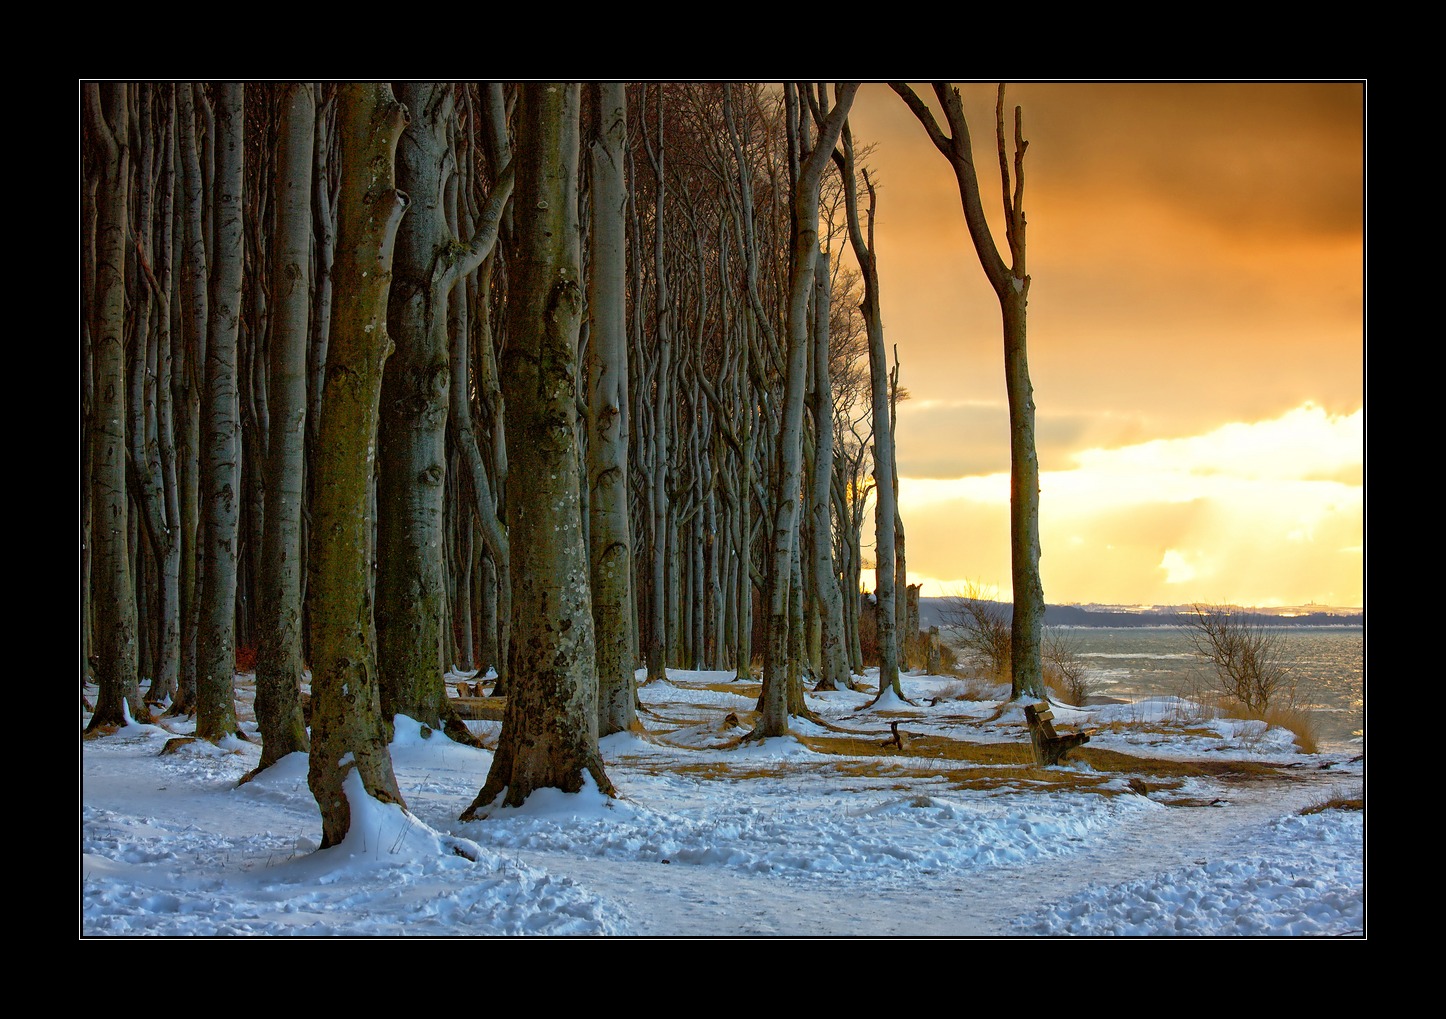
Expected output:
(1304, 443)
(1262, 513)
(958, 438)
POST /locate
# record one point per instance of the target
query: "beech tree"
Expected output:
(833, 665)
(1011, 286)
(220, 484)
(482, 465)
(150, 429)
(709, 337)
(416, 397)
(279, 657)
(195, 224)
(549, 726)
(348, 732)
(814, 157)
(609, 530)
(886, 592)
(113, 609)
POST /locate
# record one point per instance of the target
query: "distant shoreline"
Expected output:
(932, 611)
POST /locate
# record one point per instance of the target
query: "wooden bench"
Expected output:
(1049, 746)
(474, 709)
(473, 704)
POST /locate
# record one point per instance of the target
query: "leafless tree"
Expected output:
(1011, 285)
(1246, 655)
(1064, 669)
(980, 629)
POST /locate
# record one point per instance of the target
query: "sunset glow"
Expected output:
(1265, 513)
(1196, 341)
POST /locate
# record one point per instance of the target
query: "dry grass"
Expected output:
(1010, 767)
(1211, 704)
(750, 690)
(996, 768)
(969, 688)
(1297, 720)
(1339, 798)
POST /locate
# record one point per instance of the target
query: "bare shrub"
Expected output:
(914, 648)
(1339, 798)
(1246, 655)
(980, 629)
(1064, 668)
(869, 633)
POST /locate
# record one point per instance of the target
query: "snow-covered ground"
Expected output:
(798, 836)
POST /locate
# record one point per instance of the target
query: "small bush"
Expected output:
(1064, 670)
(245, 659)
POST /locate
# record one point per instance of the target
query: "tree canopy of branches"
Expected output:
(362, 400)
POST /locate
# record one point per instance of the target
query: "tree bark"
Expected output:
(773, 703)
(150, 433)
(609, 531)
(220, 444)
(278, 656)
(549, 727)
(412, 455)
(833, 662)
(1011, 286)
(347, 728)
(189, 382)
(114, 658)
(417, 395)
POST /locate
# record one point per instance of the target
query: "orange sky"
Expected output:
(1196, 340)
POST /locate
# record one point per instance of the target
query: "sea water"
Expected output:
(1328, 664)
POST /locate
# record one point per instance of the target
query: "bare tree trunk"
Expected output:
(483, 483)
(773, 703)
(220, 446)
(487, 625)
(279, 657)
(348, 733)
(461, 534)
(907, 632)
(549, 727)
(88, 217)
(152, 446)
(1011, 286)
(609, 530)
(885, 510)
(412, 455)
(832, 661)
(744, 592)
(190, 379)
(113, 599)
(416, 397)
(660, 411)
(495, 584)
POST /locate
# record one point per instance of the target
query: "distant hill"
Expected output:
(932, 613)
